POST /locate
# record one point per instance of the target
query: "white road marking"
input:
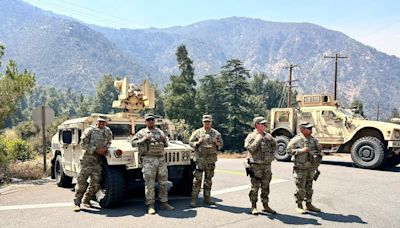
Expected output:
(240, 188)
(35, 206)
(55, 205)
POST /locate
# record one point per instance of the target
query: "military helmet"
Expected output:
(207, 118)
(149, 116)
(305, 124)
(259, 120)
(100, 119)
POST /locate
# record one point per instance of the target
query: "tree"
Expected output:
(159, 109)
(105, 95)
(13, 86)
(236, 91)
(358, 105)
(210, 99)
(395, 113)
(180, 93)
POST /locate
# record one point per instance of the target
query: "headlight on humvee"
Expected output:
(185, 156)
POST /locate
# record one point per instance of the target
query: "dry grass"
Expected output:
(233, 155)
(28, 170)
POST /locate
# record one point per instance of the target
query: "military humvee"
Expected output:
(122, 164)
(372, 144)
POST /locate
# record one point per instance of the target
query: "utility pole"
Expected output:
(377, 113)
(336, 57)
(290, 67)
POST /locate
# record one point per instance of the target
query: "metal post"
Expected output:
(290, 86)
(336, 57)
(335, 85)
(44, 139)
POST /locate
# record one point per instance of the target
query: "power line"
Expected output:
(88, 13)
(290, 67)
(336, 57)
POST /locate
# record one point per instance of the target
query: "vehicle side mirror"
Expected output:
(67, 137)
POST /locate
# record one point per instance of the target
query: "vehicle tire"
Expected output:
(281, 143)
(183, 186)
(113, 185)
(61, 178)
(368, 152)
(393, 161)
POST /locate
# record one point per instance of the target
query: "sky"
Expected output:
(373, 22)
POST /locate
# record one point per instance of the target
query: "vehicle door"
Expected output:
(66, 140)
(331, 126)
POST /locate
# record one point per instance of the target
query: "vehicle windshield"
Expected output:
(348, 112)
(120, 130)
(138, 127)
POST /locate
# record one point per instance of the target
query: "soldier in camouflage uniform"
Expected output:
(261, 147)
(94, 141)
(206, 141)
(151, 141)
(307, 157)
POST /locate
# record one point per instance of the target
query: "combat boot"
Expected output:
(254, 209)
(77, 208)
(207, 200)
(151, 210)
(194, 201)
(166, 206)
(300, 209)
(268, 209)
(311, 207)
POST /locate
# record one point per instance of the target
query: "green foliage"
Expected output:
(63, 102)
(182, 130)
(180, 93)
(236, 91)
(210, 99)
(12, 149)
(159, 109)
(357, 104)
(270, 90)
(13, 86)
(105, 95)
(395, 113)
(27, 129)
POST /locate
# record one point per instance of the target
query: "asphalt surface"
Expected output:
(348, 197)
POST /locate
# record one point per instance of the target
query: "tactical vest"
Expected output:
(310, 159)
(207, 147)
(98, 137)
(154, 147)
(264, 153)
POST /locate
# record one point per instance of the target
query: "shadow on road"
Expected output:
(338, 217)
(293, 220)
(139, 209)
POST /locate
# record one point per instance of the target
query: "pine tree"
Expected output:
(236, 91)
(105, 95)
(180, 93)
(13, 86)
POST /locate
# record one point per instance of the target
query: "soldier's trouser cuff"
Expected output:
(77, 201)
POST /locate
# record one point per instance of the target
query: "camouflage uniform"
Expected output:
(305, 165)
(153, 162)
(205, 157)
(91, 139)
(261, 153)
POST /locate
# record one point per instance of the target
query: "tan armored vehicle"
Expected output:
(372, 144)
(122, 164)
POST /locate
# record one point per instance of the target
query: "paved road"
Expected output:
(349, 197)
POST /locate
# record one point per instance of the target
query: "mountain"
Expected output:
(367, 74)
(64, 52)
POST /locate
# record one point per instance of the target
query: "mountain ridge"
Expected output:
(69, 53)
